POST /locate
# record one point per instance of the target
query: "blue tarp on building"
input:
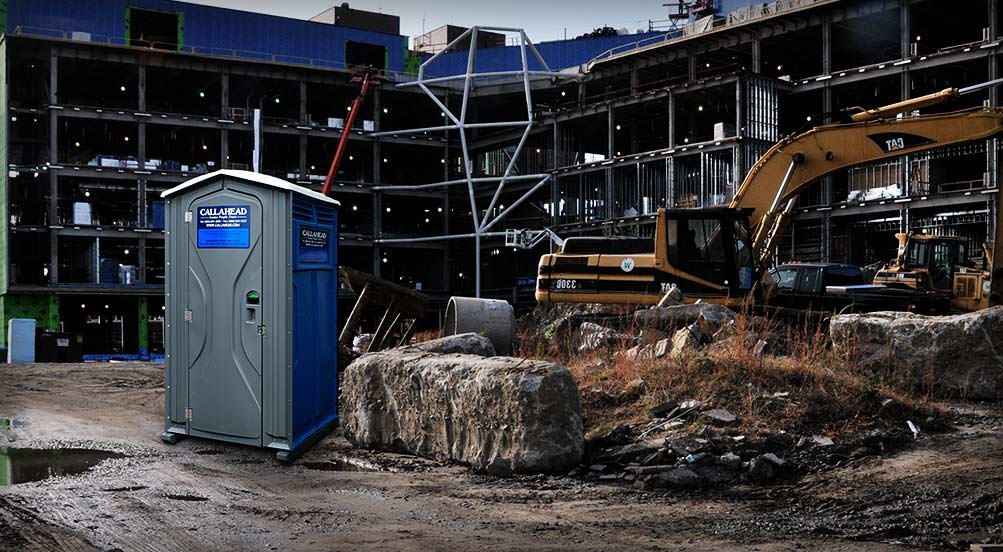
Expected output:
(559, 54)
(231, 33)
(207, 30)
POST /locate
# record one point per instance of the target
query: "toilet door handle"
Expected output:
(252, 300)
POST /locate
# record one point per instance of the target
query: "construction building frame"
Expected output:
(615, 128)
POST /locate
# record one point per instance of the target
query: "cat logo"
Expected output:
(894, 141)
(627, 264)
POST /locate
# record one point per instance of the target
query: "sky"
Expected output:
(541, 19)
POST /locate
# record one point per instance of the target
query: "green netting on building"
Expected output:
(412, 62)
(144, 325)
(43, 308)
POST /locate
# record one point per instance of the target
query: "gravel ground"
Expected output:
(942, 492)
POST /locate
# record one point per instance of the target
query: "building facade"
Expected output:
(676, 121)
(109, 103)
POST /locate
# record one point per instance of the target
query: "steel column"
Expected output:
(52, 207)
(905, 28)
(141, 88)
(826, 46)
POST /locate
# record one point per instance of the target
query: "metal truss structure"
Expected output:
(459, 122)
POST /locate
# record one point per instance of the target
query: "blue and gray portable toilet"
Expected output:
(252, 280)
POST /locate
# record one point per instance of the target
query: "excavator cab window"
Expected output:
(916, 255)
(743, 254)
(963, 259)
(942, 264)
(697, 246)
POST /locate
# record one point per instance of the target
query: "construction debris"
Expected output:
(674, 296)
(402, 307)
(720, 417)
(492, 318)
(823, 441)
(667, 453)
(664, 409)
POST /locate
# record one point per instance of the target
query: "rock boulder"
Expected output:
(467, 344)
(958, 355)
(678, 478)
(501, 415)
(591, 337)
(669, 319)
(686, 341)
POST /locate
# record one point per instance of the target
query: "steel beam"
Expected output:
(599, 108)
(893, 206)
(887, 68)
(674, 48)
(109, 232)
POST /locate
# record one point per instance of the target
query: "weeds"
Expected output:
(808, 390)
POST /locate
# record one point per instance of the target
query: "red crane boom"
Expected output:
(346, 132)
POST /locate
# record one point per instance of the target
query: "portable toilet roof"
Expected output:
(249, 176)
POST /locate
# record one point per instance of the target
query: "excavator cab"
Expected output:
(706, 253)
(710, 247)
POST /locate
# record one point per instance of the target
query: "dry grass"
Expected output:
(825, 394)
(426, 335)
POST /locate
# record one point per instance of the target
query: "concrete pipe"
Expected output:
(492, 318)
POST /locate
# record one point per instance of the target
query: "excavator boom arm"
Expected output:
(792, 165)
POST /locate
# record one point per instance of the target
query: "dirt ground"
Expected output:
(941, 493)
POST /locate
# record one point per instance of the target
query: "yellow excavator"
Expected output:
(940, 263)
(722, 254)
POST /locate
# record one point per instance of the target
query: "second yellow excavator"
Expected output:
(721, 254)
(940, 263)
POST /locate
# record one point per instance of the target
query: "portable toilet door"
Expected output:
(230, 342)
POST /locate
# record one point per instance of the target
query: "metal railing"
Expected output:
(630, 46)
(710, 23)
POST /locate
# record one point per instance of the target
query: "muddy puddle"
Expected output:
(345, 465)
(24, 465)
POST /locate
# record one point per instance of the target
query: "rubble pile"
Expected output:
(688, 446)
(591, 337)
(556, 324)
(677, 330)
(675, 317)
(453, 400)
(665, 454)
